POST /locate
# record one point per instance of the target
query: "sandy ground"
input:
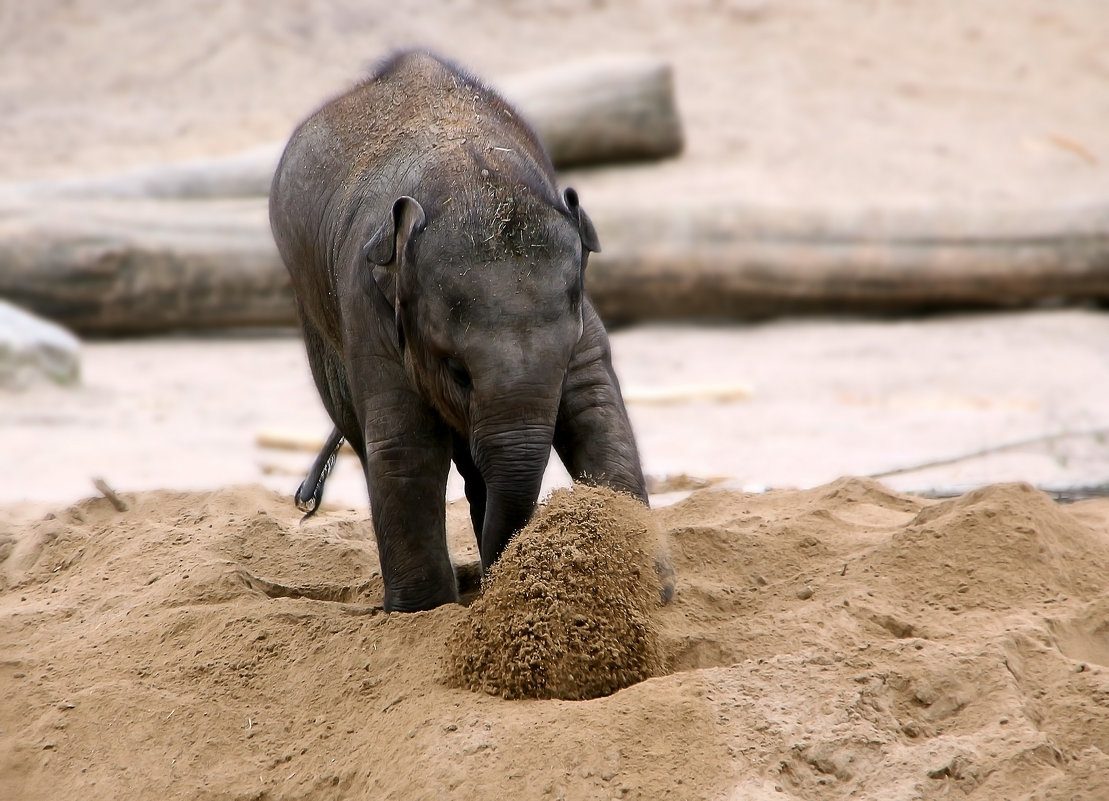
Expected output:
(837, 640)
(840, 642)
(811, 401)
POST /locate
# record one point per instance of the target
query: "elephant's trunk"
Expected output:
(512, 462)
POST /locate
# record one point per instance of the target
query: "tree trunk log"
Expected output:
(240, 175)
(118, 267)
(605, 111)
(729, 261)
(126, 267)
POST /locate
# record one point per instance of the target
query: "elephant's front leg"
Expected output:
(408, 451)
(476, 494)
(593, 436)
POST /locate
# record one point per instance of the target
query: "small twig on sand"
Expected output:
(660, 396)
(109, 493)
(1075, 147)
(294, 441)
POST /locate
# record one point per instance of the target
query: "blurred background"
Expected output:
(874, 241)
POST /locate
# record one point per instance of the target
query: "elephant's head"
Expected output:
(487, 296)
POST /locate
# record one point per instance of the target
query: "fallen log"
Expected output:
(127, 267)
(603, 111)
(611, 110)
(722, 260)
(239, 175)
(117, 267)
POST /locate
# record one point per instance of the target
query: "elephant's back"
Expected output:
(414, 113)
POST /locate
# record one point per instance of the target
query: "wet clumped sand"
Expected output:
(567, 611)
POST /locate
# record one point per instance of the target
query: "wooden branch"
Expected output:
(611, 110)
(123, 267)
(117, 502)
(726, 260)
(285, 440)
(115, 267)
(239, 175)
(1040, 439)
(666, 396)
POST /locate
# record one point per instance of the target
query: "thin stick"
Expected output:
(1005, 446)
(110, 494)
(661, 396)
(294, 441)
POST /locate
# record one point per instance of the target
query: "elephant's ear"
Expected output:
(405, 220)
(385, 249)
(585, 225)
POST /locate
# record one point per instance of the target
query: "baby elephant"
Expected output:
(438, 275)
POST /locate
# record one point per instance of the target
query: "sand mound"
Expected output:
(840, 642)
(566, 611)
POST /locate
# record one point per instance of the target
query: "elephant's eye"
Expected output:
(459, 374)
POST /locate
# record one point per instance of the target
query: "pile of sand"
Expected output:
(567, 610)
(845, 641)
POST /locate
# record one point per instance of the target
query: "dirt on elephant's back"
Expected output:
(835, 642)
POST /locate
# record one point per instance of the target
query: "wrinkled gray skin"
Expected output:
(438, 274)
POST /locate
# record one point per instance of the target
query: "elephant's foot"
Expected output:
(421, 598)
(418, 578)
